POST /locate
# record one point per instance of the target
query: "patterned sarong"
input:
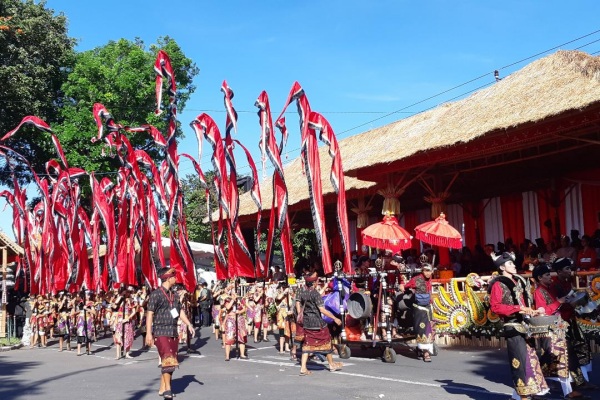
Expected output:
(317, 341)
(167, 350)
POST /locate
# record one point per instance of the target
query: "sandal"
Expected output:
(305, 373)
(336, 367)
(426, 356)
(163, 393)
(167, 394)
(243, 357)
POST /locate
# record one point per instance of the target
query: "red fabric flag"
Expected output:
(278, 216)
(312, 169)
(319, 123)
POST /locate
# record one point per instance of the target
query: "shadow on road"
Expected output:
(472, 391)
(12, 388)
(180, 385)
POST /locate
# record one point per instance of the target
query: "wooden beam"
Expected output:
(576, 138)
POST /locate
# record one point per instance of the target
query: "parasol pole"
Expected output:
(288, 319)
(235, 313)
(4, 294)
(378, 309)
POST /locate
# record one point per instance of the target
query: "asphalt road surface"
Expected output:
(456, 373)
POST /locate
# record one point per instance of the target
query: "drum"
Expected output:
(359, 305)
(578, 299)
(541, 325)
(405, 301)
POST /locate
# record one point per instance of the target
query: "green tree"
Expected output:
(36, 56)
(194, 207)
(304, 242)
(119, 75)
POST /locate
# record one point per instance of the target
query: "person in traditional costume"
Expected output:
(64, 323)
(33, 322)
(282, 302)
(510, 299)
(250, 310)
(42, 323)
(289, 330)
(579, 345)
(84, 322)
(52, 316)
(234, 327)
(162, 314)
(557, 358)
(421, 286)
(123, 315)
(314, 333)
(216, 311)
(260, 313)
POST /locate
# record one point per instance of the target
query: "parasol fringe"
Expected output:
(453, 243)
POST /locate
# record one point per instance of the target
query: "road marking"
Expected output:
(441, 386)
(262, 348)
(458, 388)
(288, 359)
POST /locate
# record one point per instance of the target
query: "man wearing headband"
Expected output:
(510, 299)
(553, 348)
(164, 309)
(312, 331)
(421, 286)
(579, 345)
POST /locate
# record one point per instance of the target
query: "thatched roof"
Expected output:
(297, 185)
(5, 240)
(561, 82)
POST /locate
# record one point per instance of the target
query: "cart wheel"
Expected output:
(435, 350)
(389, 355)
(344, 352)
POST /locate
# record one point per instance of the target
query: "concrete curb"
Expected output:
(9, 348)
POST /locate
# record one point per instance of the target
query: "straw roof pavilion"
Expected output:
(537, 124)
(564, 82)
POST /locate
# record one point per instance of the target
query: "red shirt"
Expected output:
(496, 304)
(561, 288)
(545, 298)
(419, 283)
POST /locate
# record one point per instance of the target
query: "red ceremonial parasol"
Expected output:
(387, 235)
(439, 233)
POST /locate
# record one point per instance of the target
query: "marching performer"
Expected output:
(558, 359)
(510, 299)
(421, 285)
(579, 345)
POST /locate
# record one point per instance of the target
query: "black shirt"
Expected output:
(161, 302)
(311, 300)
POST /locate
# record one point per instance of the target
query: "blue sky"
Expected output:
(358, 61)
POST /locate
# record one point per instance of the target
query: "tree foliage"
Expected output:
(36, 56)
(119, 75)
(194, 207)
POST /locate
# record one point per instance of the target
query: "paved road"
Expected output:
(457, 373)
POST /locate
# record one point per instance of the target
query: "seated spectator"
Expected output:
(586, 257)
(566, 250)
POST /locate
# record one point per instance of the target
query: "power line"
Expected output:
(460, 85)
(387, 114)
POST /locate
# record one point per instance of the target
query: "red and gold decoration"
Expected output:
(387, 235)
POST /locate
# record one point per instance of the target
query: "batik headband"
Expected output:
(170, 273)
